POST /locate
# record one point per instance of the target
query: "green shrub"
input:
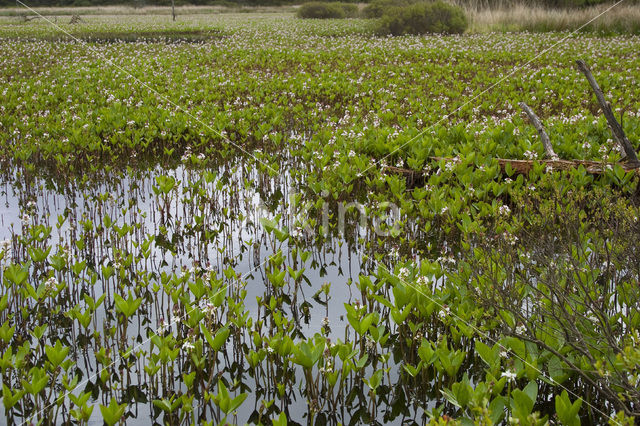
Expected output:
(422, 18)
(324, 10)
(377, 8)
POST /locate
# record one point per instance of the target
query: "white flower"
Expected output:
(328, 368)
(51, 284)
(510, 375)
(208, 308)
(325, 322)
(162, 327)
(443, 260)
(296, 232)
(504, 210)
(188, 345)
(586, 146)
(403, 273)
(423, 281)
(509, 238)
(521, 329)
(530, 155)
(5, 245)
(370, 344)
(394, 252)
(444, 312)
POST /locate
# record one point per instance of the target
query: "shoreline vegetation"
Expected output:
(620, 20)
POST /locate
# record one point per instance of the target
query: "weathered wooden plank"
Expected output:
(522, 166)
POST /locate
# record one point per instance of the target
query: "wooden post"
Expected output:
(540, 128)
(616, 128)
(173, 10)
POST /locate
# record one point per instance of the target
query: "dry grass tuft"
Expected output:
(624, 19)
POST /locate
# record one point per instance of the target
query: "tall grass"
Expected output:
(622, 19)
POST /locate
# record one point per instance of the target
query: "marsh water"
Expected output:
(226, 249)
(132, 231)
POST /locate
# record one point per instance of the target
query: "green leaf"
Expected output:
(237, 401)
(57, 353)
(374, 381)
(168, 405)
(281, 420)
(16, 274)
(127, 307)
(522, 405)
(450, 396)
(488, 355)
(112, 413)
(10, 398)
(567, 411)
(532, 390)
(411, 370)
(220, 338)
(496, 409)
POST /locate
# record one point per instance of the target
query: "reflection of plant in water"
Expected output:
(129, 315)
(205, 333)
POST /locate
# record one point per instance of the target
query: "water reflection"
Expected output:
(148, 236)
